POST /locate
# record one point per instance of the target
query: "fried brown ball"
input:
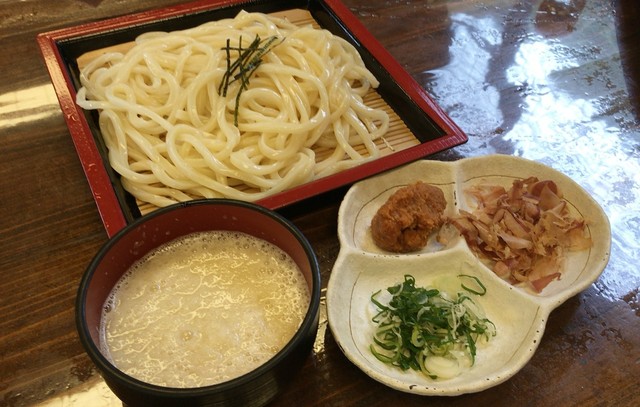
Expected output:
(403, 223)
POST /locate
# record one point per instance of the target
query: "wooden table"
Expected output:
(552, 81)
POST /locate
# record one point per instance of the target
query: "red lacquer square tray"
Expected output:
(427, 126)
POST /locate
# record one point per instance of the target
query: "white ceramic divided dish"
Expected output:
(519, 314)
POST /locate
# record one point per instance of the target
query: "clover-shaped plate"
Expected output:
(520, 314)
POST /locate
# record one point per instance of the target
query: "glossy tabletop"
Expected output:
(556, 82)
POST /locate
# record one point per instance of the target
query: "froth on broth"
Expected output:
(203, 309)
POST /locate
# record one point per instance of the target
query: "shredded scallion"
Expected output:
(429, 330)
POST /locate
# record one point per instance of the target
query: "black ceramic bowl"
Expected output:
(255, 388)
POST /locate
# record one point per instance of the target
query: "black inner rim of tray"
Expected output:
(420, 124)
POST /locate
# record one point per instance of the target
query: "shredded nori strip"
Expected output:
(247, 61)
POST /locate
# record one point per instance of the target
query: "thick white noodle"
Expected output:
(172, 137)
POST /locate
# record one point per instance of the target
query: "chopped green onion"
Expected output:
(483, 289)
(421, 323)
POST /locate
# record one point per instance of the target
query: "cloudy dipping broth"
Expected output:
(203, 309)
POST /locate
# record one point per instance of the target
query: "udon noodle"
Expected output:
(172, 137)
